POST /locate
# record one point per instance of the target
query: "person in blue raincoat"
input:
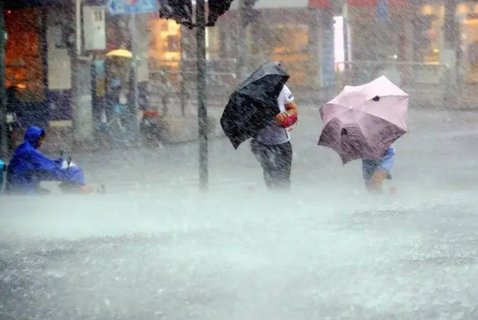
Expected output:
(376, 171)
(28, 167)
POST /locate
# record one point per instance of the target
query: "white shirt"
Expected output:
(284, 98)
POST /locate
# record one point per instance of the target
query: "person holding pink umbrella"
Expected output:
(362, 122)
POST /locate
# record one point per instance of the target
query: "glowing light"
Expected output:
(427, 10)
(339, 44)
(462, 9)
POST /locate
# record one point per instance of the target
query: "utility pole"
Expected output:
(201, 88)
(73, 43)
(133, 83)
(449, 56)
(3, 98)
(181, 11)
(241, 41)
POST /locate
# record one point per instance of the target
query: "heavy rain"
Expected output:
(138, 183)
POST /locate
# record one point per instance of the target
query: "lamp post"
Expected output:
(201, 87)
(181, 11)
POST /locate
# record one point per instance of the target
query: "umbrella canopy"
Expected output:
(363, 121)
(253, 105)
(120, 53)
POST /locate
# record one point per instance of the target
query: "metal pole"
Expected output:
(3, 100)
(201, 87)
(134, 76)
(241, 41)
(182, 70)
(450, 50)
(75, 51)
(78, 27)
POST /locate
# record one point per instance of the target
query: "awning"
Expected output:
(319, 4)
(14, 4)
(11, 4)
(373, 3)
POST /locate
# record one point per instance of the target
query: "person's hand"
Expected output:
(280, 117)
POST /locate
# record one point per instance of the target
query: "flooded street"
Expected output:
(154, 247)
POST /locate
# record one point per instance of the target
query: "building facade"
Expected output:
(405, 39)
(49, 63)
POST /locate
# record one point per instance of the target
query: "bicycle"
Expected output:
(118, 127)
(119, 124)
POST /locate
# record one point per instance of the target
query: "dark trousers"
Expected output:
(276, 162)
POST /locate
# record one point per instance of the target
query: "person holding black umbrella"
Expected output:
(263, 108)
(272, 146)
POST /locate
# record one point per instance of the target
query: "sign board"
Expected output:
(125, 7)
(382, 10)
(94, 28)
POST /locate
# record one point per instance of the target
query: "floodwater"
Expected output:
(154, 247)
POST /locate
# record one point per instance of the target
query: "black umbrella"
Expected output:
(253, 104)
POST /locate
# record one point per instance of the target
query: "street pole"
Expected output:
(241, 41)
(134, 75)
(3, 98)
(448, 55)
(201, 88)
(75, 51)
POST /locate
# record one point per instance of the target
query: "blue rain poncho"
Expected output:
(29, 166)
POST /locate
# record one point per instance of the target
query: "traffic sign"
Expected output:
(124, 7)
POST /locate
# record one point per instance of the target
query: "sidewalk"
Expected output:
(184, 128)
(181, 129)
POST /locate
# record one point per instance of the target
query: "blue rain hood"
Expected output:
(33, 135)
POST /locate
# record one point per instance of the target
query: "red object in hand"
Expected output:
(290, 120)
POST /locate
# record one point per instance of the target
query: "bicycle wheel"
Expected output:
(118, 130)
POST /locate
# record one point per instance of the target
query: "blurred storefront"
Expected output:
(37, 59)
(164, 52)
(467, 17)
(429, 37)
(301, 36)
(286, 36)
(297, 33)
(24, 68)
(414, 32)
(165, 44)
(25, 60)
(38, 56)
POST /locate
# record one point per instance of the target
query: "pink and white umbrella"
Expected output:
(363, 121)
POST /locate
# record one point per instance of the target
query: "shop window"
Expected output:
(165, 46)
(469, 46)
(427, 38)
(287, 43)
(23, 54)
